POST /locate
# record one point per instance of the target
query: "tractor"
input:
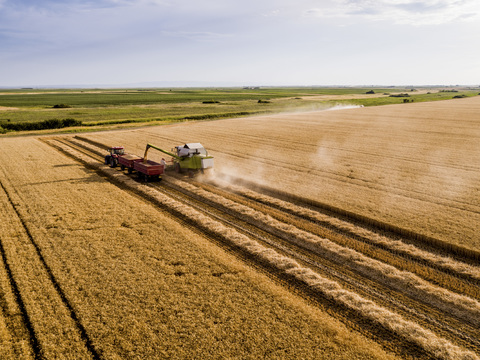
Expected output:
(112, 157)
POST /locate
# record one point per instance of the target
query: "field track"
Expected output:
(24, 261)
(415, 301)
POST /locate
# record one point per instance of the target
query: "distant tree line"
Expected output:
(400, 95)
(40, 125)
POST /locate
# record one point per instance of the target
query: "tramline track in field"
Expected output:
(371, 289)
(72, 327)
(431, 318)
(431, 257)
(320, 222)
(439, 269)
(366, 289)
(23, 326)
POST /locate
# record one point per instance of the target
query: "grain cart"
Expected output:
(146, 169)
(188, 158)
(127, 161)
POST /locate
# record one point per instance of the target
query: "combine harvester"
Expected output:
(190, 158)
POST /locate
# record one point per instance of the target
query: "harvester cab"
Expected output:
(189, 150)
(112, 157)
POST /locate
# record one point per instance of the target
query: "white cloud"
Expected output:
(405, 12)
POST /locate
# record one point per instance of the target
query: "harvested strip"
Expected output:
(438, 347)
(396, 245)
(460, 305)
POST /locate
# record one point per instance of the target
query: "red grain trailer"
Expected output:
(127, 161)
(149, 170)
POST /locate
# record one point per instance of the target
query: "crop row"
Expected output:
(444, 299)
(462, 306)
(398, 246)
(346, 234)
(439, 347)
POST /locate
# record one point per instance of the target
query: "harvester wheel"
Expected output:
(190, 173)
(178, 170)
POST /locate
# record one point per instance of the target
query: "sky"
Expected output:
(239, 42)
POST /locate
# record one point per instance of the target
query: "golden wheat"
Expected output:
(396, 245)
(142, 285)
(407, 282)
(389, 163)
(439, 347)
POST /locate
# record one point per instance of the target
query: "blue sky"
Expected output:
(247, 42)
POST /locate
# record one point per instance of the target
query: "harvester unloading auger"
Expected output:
(188, 158)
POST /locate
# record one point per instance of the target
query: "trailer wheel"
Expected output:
(122, 167)
(130, 170)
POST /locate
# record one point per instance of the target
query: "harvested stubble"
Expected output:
(395, 245)
(438, 347)
(143, 286)
(460, 305)
(446, 272)
(411, 165)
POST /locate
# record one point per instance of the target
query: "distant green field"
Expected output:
(433, 96)
(95, 98)
(105, 107)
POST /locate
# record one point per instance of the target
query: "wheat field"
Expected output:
(100, 273)
(411, 165)
(97, 265)
(450, 303)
